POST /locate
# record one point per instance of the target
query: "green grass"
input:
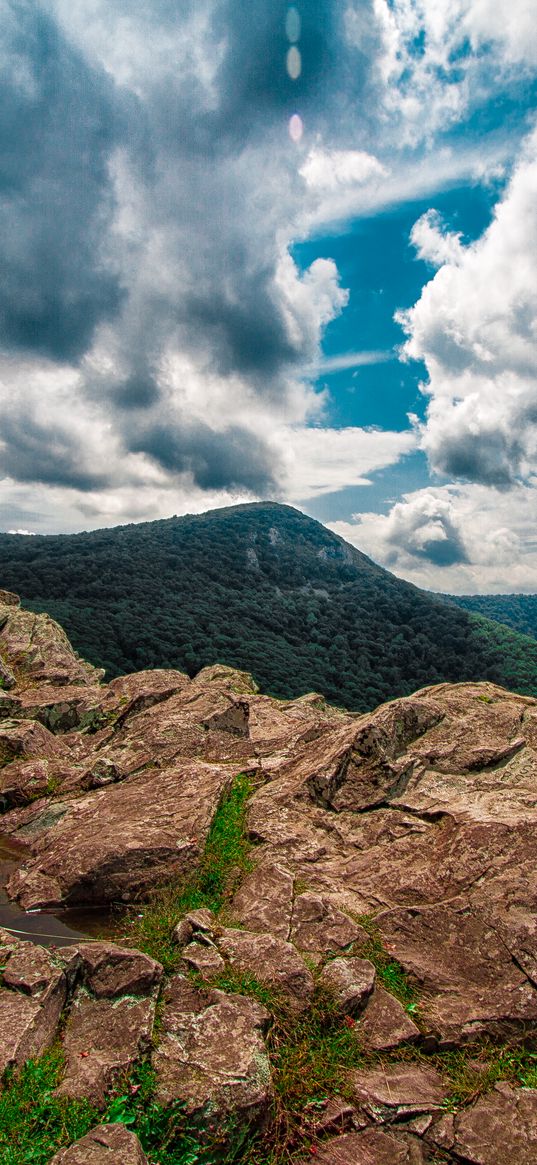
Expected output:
(310, 1056)
(34, 1124)
(224, 862)
(389, 972)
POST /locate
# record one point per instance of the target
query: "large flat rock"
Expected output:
(125, 839)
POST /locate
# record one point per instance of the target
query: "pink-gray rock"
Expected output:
(350, 981)
(394, 1091)
(472, 985)
(204, 959)
(272, 961)
(102, 1040)
(501, 1129)
(264, 901)
(385, 1024)
(318, 926)
(108, 970)
(371, 1147)
(123, 839)
(104, 1145)
(212, 1052)
(32, 996)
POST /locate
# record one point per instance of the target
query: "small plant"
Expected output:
(310, 1056)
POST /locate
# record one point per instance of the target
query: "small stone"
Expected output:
(398, 1090)
(182, 933)
(337, 1117)
(351, 981)
(270, 960)
(204, 959)
(318, 926)
(385, 1024)
(110, 971)
(202, 920)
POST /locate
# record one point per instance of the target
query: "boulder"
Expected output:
(123, 840)
(32, 996)
(500, 1128)
(104, 1145)
(371, 1147)
(102, 1040)
(211, 1052)
(270, 960)
(472, 985)
(38, 651)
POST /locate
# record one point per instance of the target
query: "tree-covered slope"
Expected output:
(261, 587)
(517, 611)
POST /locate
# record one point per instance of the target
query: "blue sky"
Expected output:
(290, 257)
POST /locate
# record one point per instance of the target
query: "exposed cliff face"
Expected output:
(404, 835)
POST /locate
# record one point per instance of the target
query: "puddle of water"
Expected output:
(44, 926)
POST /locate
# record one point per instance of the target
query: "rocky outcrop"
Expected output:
(399, 839)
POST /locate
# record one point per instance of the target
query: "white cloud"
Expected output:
(459, 539)
(330, 170)
(320, 461)
(433, 242)
(475, 326)
(440, 55)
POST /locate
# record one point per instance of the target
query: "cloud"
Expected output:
(434, 244)
(160, 343)
(324, 460)
(475, 327)
(440, 57)
(58, 124)
(460, 539)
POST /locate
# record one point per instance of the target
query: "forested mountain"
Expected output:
(260, 587)
(516, 611)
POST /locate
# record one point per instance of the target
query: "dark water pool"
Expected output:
(43, 926)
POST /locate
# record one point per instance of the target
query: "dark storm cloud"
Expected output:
(188, 150)
(47, 454)
(57, 127)
(235, 458)
(489, 458)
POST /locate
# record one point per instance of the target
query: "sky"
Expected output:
(271, 251)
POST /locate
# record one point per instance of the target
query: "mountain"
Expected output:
(264, 588)
(516, 611)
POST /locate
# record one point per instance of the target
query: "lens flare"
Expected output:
(294, 63)
(292, 25)
(296, 127)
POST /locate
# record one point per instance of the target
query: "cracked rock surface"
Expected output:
(406, 835)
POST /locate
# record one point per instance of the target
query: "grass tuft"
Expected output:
(389, 972)
(224, 862)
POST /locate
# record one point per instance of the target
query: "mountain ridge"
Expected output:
(264, 588)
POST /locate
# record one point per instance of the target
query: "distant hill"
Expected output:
(516, 611)
(264, 588)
